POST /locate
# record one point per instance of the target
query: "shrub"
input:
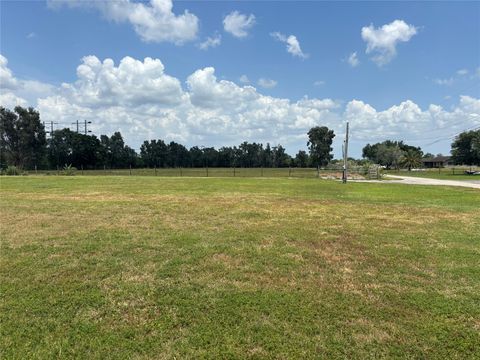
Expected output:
(12, 171)
(69, 170)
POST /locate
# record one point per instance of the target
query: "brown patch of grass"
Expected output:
(369, 331)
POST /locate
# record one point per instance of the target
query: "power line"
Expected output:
(452, 136)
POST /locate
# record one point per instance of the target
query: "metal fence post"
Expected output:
(130, 169)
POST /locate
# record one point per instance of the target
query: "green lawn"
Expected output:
(294, 172)
(153, 267)
(443, 174)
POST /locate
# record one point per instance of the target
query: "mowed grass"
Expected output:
(149, 268)
(295, 172)
(442, 174)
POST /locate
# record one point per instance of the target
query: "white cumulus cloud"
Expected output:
(7, 80)
(238, 24)
(15, 91)
(408, 121)
(131, 83)
(10, 100)
(382, 42)
(153, 22)
(293, 45)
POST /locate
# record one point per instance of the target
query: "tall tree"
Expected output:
(280, 157)
(118, 155)
(226, 156)
(178, 155)
(320, 139)
(196, 157)
(301, 159)
(389, 152)
(267, 158)
(466, 148)
(389, 156)
(210, 156)
(22, 137)
(154, 153)
(370, 151)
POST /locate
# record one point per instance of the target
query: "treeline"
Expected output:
(158, 153)
(90, 152)
(24, 144)
(394, 154)
(465, 150)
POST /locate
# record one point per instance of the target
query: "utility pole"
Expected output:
(77, 125)
(51, 128)
(345, 157)
(85, 123)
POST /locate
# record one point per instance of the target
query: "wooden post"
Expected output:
(289, 171)
(318, 171)
(207, 170)
(345, 157)
(130, 169)
(234, 171)
(82, 169)
(262, 171)
(155, 169)
(35, 169)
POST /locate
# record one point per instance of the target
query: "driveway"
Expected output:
(424, 181)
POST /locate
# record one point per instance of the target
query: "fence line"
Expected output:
(291, 172)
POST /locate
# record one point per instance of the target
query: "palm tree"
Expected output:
(411, 159)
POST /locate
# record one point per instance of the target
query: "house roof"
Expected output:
(437, 159)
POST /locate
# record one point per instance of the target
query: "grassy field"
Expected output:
(155, 267)
(457, 173)
(358, 172)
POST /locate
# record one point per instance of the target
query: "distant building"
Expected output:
(437, 162)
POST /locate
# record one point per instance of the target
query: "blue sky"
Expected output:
(421, 84)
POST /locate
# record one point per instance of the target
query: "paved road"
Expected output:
(425, 181)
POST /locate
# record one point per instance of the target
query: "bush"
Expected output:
(69, 170)
(12, 171)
